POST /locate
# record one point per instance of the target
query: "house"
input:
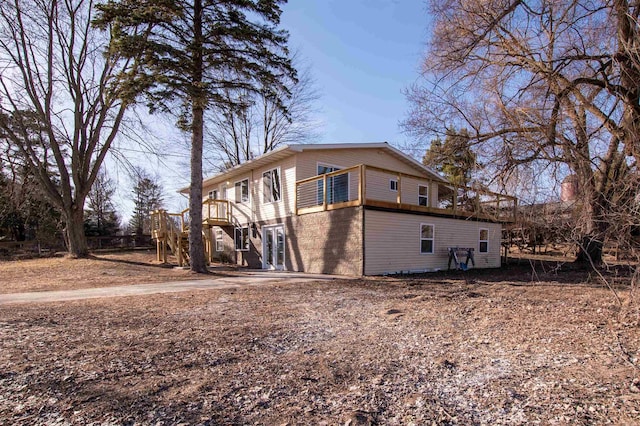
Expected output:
(354, 209)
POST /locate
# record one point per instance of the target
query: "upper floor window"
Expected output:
(213, 195)
(483, 243)
(426, 238)
(393, 185)
(242, 191)
(423, 195)
(271, 186)
(337, 186)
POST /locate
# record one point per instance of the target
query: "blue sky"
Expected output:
(362, 54)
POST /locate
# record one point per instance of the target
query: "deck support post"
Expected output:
(324, 192)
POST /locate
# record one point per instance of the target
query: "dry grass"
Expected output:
(105, 270)
(490, 347)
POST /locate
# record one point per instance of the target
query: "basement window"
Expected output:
(219, 241)
(483, 244)
(242, 238)
(427, 232)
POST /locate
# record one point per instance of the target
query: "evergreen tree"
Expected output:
(147, 197)
(101, 218)
(454, 158)
(195, 50)
(25, 211)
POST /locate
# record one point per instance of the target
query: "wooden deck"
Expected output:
(354, 186)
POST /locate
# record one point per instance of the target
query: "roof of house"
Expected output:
(288, 150)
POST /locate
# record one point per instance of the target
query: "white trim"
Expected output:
(335, 166)
(483, 241)
(424, 196)
(220, 240)
(248, 201)
(235, 245)
(264, 245)
(433, 238)
(392, 181)
(279, 183)
(338, 168)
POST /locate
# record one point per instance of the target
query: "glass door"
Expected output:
(273, 247)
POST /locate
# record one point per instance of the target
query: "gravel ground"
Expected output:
(485, 348)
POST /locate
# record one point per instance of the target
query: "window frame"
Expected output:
(331, 182)
(393, 185)
(241, 230)
(481, 241)
(425, 197)
(213, 194)
(219, 239)
(268, 197)
(432, 239)
(241, 199)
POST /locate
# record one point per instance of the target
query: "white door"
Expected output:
(273, 247)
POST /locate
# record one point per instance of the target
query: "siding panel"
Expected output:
(308, 161)
(392, 242)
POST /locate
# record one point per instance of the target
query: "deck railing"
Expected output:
(214, 212)
(372, 186)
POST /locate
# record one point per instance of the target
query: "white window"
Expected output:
(271, 186)
(337, 186)
(423, 195)
(242, 191)
(483, 246)
(213, 195)
(426, 238)
(242, 238)
(219, 240)
(393, 185)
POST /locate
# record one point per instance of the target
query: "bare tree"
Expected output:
(61, 103)
(538, 85)
(250, 123)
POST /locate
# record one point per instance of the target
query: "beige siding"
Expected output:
(378, 186)
(242, 213)
(307, 162)
(392, 242)
(409, 190)
(286, 206)
(256, 209)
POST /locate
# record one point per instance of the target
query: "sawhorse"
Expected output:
(456, 253)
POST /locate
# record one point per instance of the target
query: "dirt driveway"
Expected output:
(242, 279)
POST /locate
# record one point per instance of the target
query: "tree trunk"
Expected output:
(76, 240)
(198, 102)
(594, 222)
(590, 250)
(196, 245)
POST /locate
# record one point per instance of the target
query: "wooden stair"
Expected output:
(168, 233)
